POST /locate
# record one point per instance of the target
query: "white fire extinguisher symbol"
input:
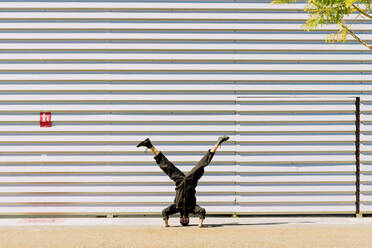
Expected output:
(45, 118)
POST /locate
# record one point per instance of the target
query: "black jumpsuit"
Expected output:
(185, 200)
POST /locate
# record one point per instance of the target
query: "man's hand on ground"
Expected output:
(166, 223)
(201, 225)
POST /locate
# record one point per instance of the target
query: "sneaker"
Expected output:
(222, 139)
(146, 143)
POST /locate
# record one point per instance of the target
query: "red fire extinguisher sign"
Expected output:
(45, 119)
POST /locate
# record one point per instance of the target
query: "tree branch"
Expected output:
(355, 36)
(361, 11)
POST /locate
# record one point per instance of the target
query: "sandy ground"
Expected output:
(260, 234)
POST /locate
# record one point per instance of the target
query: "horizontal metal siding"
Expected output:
(365, 158)
(301, 167)
(89, 168)
(113, 73)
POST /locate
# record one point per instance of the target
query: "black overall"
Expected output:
(185, 200)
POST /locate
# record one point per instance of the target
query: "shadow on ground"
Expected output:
(250, 224)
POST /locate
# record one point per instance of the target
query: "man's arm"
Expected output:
(167, 212)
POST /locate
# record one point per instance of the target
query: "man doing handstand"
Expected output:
(185, 200)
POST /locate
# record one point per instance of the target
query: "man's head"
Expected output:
(184, 220)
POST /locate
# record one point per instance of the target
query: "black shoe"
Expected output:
(146, 143)
(222, 139)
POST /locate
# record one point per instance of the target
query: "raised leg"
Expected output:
(154, 150)
(169, 168)
(197, 172)
(172, 171)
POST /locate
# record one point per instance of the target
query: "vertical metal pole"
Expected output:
(357, 156)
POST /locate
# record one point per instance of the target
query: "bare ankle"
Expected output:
(154, 150)
(214, 149)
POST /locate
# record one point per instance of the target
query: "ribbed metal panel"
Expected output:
(288, 165)
(365, 158)
(181, 73)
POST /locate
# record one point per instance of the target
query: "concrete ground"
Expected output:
(244, 232)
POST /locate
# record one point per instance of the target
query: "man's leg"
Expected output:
(219, 142)
(167, 212)
(201, 213)
(154, 150)
(168, 167)
(196, 173)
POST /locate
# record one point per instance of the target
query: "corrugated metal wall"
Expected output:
(365, 158)
(296, 155)
(181, 73)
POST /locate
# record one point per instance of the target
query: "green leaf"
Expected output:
(283, 1)
(324, 12)
(348, 3)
